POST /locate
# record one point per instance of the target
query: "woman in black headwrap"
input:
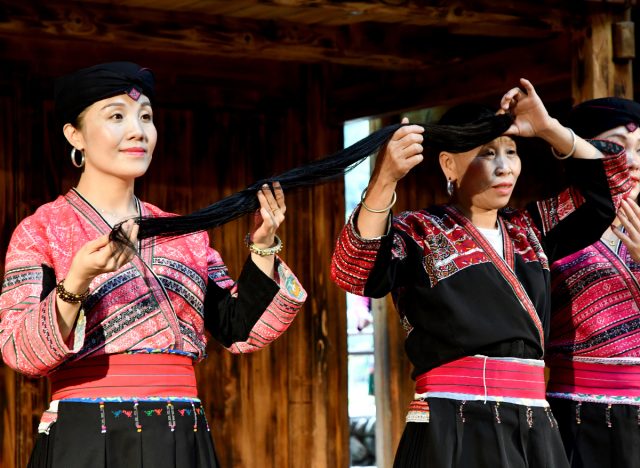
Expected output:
(116, 323)
(471, 282)
(594, 347)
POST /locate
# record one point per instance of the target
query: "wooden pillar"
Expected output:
(604, 48)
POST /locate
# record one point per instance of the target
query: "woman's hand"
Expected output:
(270, 215)
(401, 154)
(629, 216)
(100, 256)
(530, 116)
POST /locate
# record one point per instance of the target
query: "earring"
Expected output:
(450, 187)
(74, 160)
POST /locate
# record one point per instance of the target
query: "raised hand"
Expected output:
(101, 255)
(270, 215)
(629, 216)
(401, 154)
(524, 104)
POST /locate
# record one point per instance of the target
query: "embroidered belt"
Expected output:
(519, 381)
(603, 382)
(126, 375)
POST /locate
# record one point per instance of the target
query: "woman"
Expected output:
(471, 282)
(594, 351)
(116, 326)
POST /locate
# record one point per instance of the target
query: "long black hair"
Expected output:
(455, 138)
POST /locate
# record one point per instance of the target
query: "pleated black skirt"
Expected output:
(85, 435)
(598, 435)
(475, 434)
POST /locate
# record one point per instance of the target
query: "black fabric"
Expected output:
(230, 319)
(593, 117)
(592, 443)
(48, 281)
(77, 91)
(475, 311)
(76, 441)
(515, 436)
(586, 224)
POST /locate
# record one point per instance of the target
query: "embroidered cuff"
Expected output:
(353, 228)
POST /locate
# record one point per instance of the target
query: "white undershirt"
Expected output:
(494, 236)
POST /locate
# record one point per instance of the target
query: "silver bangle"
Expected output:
(383, 210)
(570, 153)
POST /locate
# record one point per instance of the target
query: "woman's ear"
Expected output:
(447, 165)
(73, 136)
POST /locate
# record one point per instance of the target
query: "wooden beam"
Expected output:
(371, 45)
(487, 76)
(595, 70)
(523, 18)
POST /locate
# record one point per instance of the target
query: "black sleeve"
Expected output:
(230, 319)
(389, 271)
(588, 222)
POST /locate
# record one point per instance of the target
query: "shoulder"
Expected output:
(48, 214)
(420, 223)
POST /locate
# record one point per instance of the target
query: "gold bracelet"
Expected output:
(394, 197)
(274, 249)
(70, 297)
(570, 153)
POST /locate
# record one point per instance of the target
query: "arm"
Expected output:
(248, 315)
(31, 340)
(266, 221)
(578, 216)
(39, 331)
(532, 119)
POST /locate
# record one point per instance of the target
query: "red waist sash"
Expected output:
(127, 376)
(614, 380)
(485, 377)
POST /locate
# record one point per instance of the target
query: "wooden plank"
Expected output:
(595, 72)
(483, 77)
(523, 18)
(218, 36)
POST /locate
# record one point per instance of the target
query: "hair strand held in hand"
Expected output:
(453, 138)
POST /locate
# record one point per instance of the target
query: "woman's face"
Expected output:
(484, 177)
(117, 136)
(631, 143)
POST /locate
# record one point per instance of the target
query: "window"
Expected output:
(360, 328)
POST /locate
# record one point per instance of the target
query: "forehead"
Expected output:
(121, 100)
(500, 141)
(620, 131)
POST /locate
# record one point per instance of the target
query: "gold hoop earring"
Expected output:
(74, 159)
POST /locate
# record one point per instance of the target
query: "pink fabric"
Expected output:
(126, 376)
(594, 378)
(479, 376)
(155, 301)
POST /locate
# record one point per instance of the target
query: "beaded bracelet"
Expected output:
(570, 153)
(71, 298)
(274, 249)
(394, 197)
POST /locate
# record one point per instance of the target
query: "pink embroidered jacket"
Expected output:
(161, 300)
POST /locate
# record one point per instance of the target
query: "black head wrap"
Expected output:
(596, 116)
(77, 91)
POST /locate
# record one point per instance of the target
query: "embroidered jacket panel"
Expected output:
(161, 300)
(453, 300)
(596, 304)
